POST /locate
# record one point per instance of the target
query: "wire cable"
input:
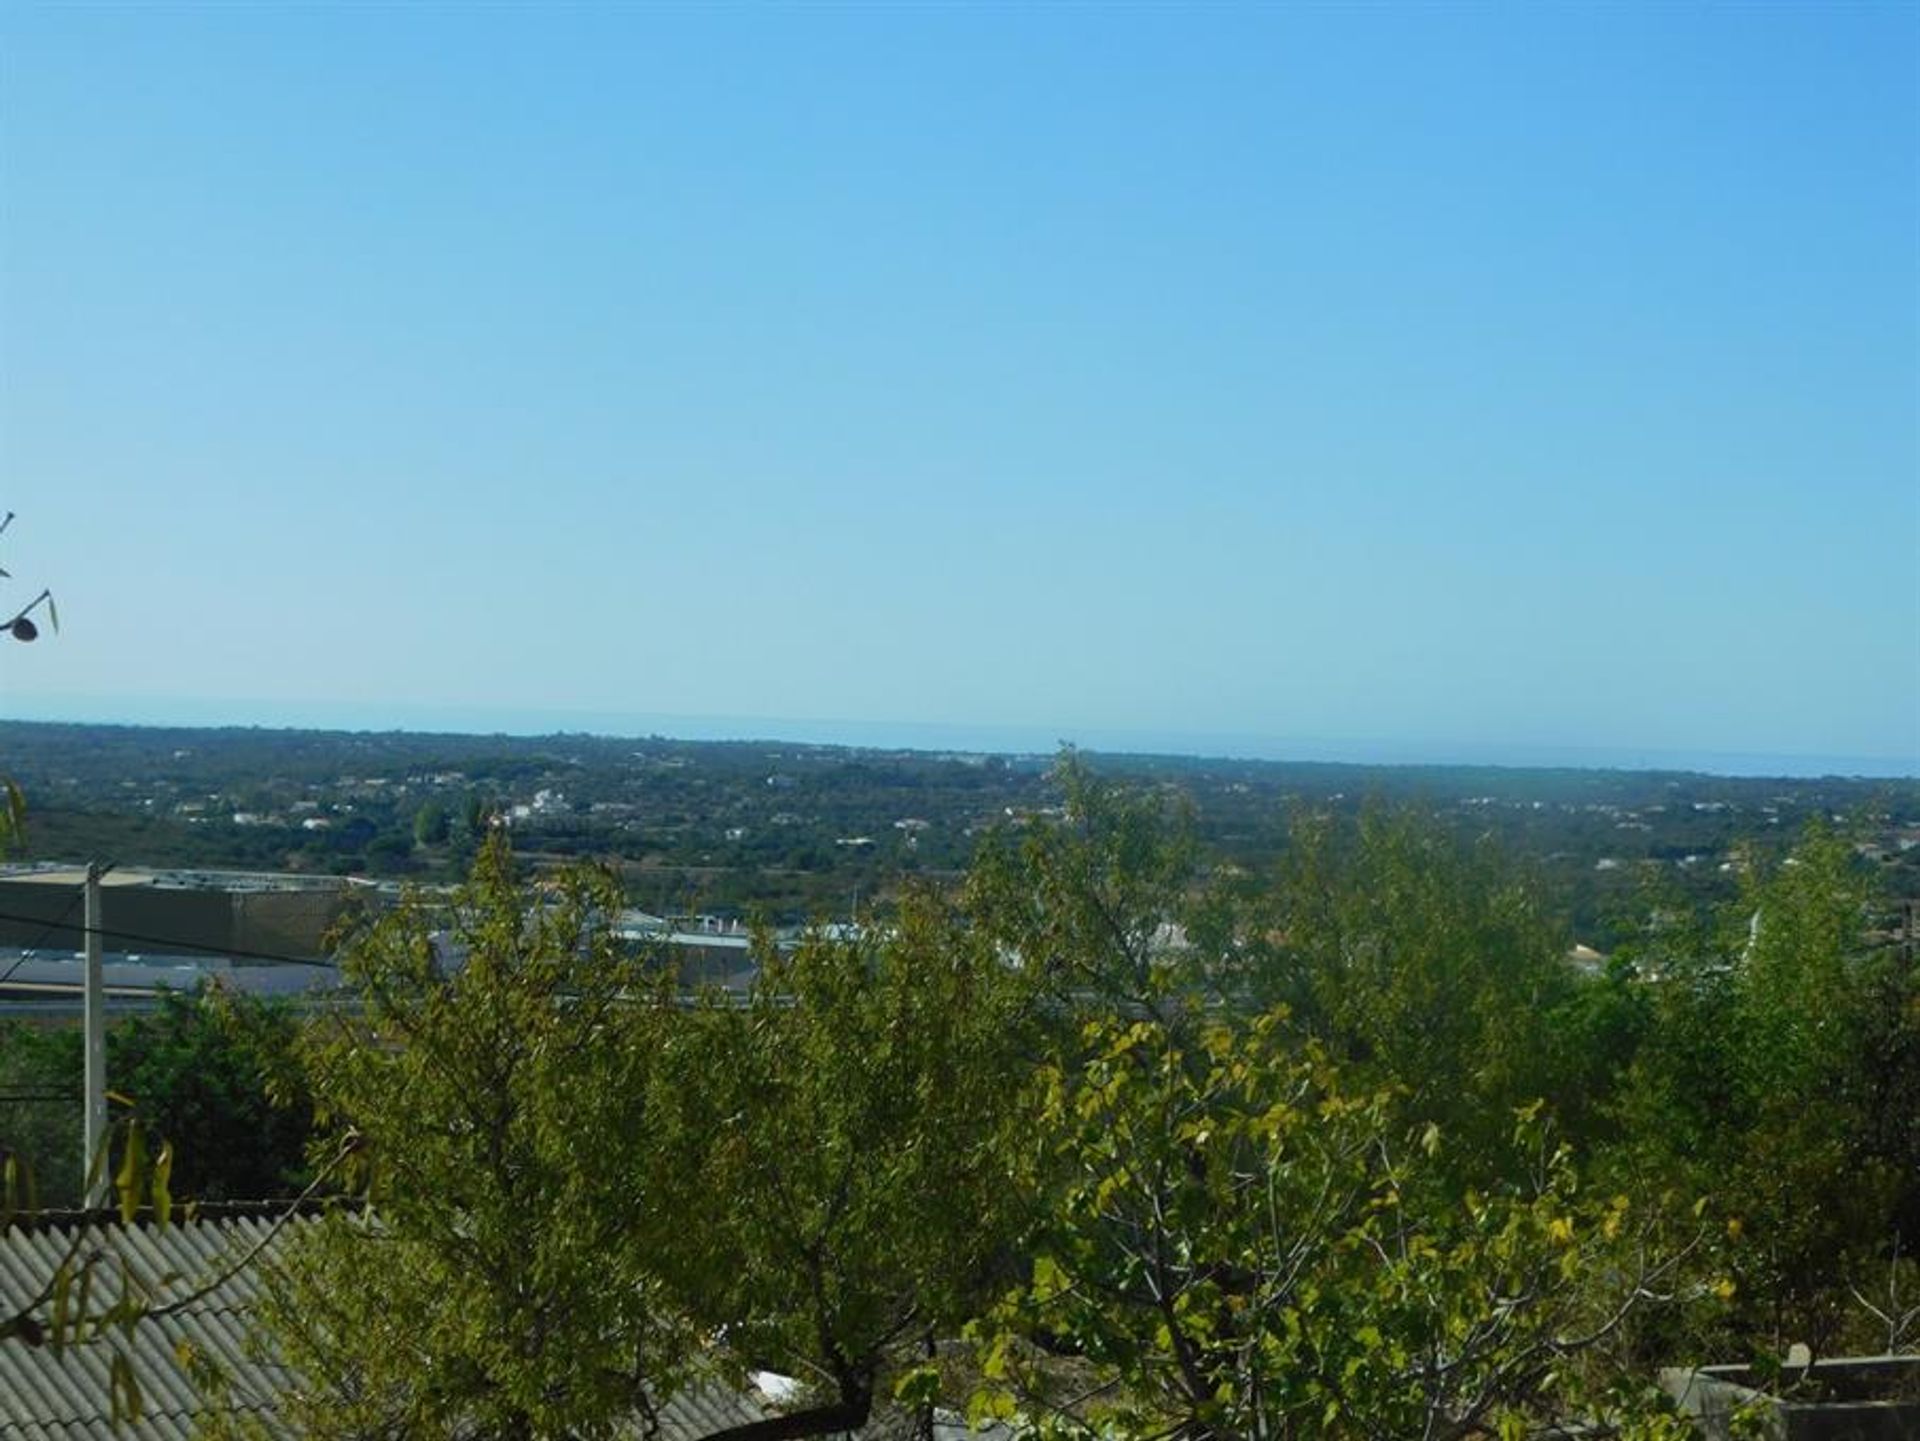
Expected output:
(26, 952)
(52, 925)
(174, 944)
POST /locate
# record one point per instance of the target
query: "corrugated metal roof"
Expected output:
(701, 1411)
(68, 1395)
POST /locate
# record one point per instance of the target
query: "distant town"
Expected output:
(709, 835)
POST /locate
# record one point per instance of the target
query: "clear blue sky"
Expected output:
(1425, 380)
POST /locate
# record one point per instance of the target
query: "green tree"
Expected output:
(1099, 903)
(1424, 964)
(1237, 1246)
(846, 1138)
(581, 1193)
(41, 1073)
(1427, 964)
(1762, 1079)
(202, 1070)
(496, 1284)
(216, 1075)
(431, 824)
(1323, 1223)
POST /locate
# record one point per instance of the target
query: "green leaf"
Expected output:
(20, 1193)
(97, 1164)
(161, 1189)
(131, 1178)
(57, 1308)
(918, 1386)
(993, 1365)
(1049, 1280)
(123, 1390)
(13, 817)
(989, 1405)
(83, 1302)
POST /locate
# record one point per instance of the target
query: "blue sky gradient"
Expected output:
(1470, 382)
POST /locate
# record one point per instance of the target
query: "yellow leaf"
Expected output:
(132, 1174)
(162, 1188)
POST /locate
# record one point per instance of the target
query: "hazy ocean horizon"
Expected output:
(933, 736)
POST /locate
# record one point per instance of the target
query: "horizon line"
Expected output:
(935, 736)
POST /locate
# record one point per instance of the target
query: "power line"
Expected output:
(175, 943)
(45, 931)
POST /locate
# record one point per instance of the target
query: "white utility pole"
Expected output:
(96, 1019)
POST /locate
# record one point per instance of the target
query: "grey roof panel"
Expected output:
(46, 1396)
(702, 1410)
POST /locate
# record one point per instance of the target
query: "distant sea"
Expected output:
(932, 736)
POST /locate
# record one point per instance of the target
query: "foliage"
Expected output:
(431, 824)
(543, 1135)
(1426, 963)
(1238, 1248)
(40, 1116)
(740, 827)
(492, 1285)
(1093, 904)
(858, 1117)
(215, 1074)
(1263, 1222)
(13, 816)
(1342, 1148)
(1755, 1082)
(200, 1070)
